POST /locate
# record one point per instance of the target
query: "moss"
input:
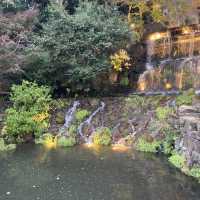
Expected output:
(162, 113)
(81, 114)
(102, 136)
(177, 160)
(5, 147)
(45, 138)
(145, 146)
(195, 172)
(186, 98)
(66, 141)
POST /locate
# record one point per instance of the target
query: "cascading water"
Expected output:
(177, 63)
(88, 122)
(69, 118)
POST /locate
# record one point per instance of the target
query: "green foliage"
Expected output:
(66, 141)
(4, 147)
(177, 160)
(186, 98)
(29, 113)
(195, 172)
(81, 114)
(45, 138)
(102, 136)
(162, 113)
(60, 103)
(169, 140)
(145, 146)
(72, 50)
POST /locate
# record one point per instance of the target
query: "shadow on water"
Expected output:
(35, 173)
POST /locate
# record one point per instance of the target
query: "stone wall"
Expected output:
(189, 141)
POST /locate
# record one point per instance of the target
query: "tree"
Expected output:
(13, 39)
(72, 50)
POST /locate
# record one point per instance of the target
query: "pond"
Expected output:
(37, 173)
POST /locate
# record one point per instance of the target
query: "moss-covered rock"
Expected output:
(145, 146)
(5, 147)
(66, 141)
(102, 136)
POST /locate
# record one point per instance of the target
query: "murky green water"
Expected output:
(35, 173)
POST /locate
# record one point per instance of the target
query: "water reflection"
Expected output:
(33, 172)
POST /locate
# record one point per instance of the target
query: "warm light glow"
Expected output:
(186, 30)
(50, 143)
(168, 86)
(157, 36)
(142, 86)
(120, 147)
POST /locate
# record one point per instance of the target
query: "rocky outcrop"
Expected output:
(189, 141)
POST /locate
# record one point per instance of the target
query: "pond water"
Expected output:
(36, 173)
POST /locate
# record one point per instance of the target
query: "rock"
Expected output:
(60, 118)
(189, 141)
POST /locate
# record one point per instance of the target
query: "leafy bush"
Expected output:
(102, 136)
(177, 160)
(30, 111)
(195, 172)
(72, 50)
(143, 145)
(45, 139)
(66, 141)
(186, 98)
(162, 113)
(81, 114)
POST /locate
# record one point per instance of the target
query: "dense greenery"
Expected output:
(29, 114)
(72, 50)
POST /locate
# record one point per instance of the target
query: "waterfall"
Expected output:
(69, 118)
(88, 121)
(177, 64)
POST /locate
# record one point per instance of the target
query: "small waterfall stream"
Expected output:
(69, 118)
(88, 122)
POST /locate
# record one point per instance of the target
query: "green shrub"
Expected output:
(162, 113)
(66, 141)
(102, 136)
(4, 147)
(72, 130)
(75, 49)
(45, 138)
(195, 172)
(81, 114)
(169, 140)
(143, 145)
(30, 111)
(186, 98)
(177, 160)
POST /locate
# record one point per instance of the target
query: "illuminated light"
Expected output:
(132, 26)
(142, 86)
(50, 143)
(186, 30)
(168, 86)
(120, 148)
(157, 36)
